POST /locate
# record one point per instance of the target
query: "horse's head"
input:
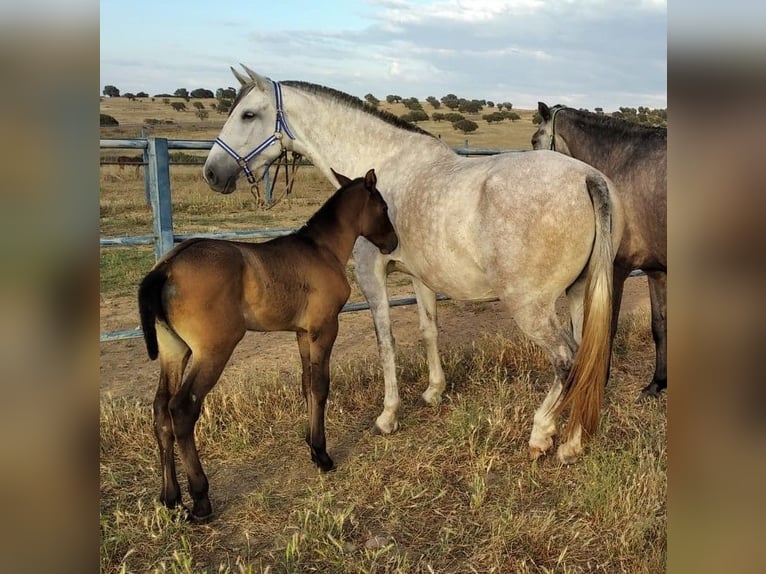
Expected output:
(374, 223)
(547, 136)
(253, 137)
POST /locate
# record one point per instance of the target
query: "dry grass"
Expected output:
(451, 492)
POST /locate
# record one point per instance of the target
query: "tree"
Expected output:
(142, 95)
(412, 104)
(202, 114)
(469, 107)
(181, 93)
(437, 116)
(493, 117)
(225, 94)
(465, 126)
(201, 93)
(178, 106)
(198, 105)
(434, 102)
(453, 117)
(415, 116)
(392, 99)
(111, 91)
(537, 118)
(450, 101)
(372, 100)
(513, 116)
(130, 96)
(107, 120)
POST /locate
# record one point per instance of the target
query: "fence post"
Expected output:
(145, 159)
(159, 194)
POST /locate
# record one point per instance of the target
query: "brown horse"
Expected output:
(635, 158)
(200, 299)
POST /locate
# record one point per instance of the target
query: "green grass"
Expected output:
(122, 268)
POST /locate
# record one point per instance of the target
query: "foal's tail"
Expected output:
(584, 388)
(150, 307)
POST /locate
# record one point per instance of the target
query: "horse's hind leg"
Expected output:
(185, 406)
(542, 326)
(658, 297)
(428, 330)
(174, 355)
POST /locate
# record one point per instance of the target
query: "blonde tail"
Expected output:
(584, 388)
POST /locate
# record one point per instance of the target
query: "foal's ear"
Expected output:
(544, 111)
(370, 180)
(342, 179)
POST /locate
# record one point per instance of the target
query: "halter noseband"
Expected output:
(281, 125)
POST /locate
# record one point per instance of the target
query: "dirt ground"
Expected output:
(126, 371)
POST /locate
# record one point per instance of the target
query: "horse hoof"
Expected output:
(567, 456)
(195, 519)
(652, 390)
(535, 453)
(377, 430)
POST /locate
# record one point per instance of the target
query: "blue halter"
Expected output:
(279, 127)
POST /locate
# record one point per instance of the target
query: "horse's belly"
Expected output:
(445, 272)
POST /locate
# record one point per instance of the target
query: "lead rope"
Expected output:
(269, 202)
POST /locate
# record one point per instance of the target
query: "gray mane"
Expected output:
(356, 103)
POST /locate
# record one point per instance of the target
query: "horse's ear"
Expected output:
(240, 78)
(544, 111)
(342, 179)
(370, 180)
(261, 82)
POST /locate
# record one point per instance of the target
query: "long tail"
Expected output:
(150, 307)
(584, 388)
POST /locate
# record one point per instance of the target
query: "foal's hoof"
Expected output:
(381, 429)
(323, 462)
(192, 518)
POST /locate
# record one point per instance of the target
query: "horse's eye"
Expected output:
(248, 115)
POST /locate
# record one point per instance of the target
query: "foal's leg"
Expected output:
(185, 407)
(304, 348)
(174, 354)
(428, 330)
(371, 276)
(658, 297)
(321, 343)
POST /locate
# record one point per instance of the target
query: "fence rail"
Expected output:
(158, 196)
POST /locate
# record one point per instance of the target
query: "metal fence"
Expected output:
(156, 161)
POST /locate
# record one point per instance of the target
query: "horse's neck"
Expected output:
(335, 227)
(335, 135)
(589, 142)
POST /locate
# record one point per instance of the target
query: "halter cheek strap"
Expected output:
(554, 111)
(279, 127)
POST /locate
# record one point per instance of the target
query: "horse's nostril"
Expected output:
(210, 176)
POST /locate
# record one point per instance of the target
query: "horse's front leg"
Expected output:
(428, 331)
(321, 342)
(658, 298)
(371, 276)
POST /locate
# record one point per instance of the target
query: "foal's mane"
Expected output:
(328, 213)
(356, 103)
(608, 126)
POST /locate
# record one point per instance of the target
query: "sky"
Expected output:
(582, 53)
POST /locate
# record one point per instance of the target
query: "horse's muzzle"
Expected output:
(217, 184)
